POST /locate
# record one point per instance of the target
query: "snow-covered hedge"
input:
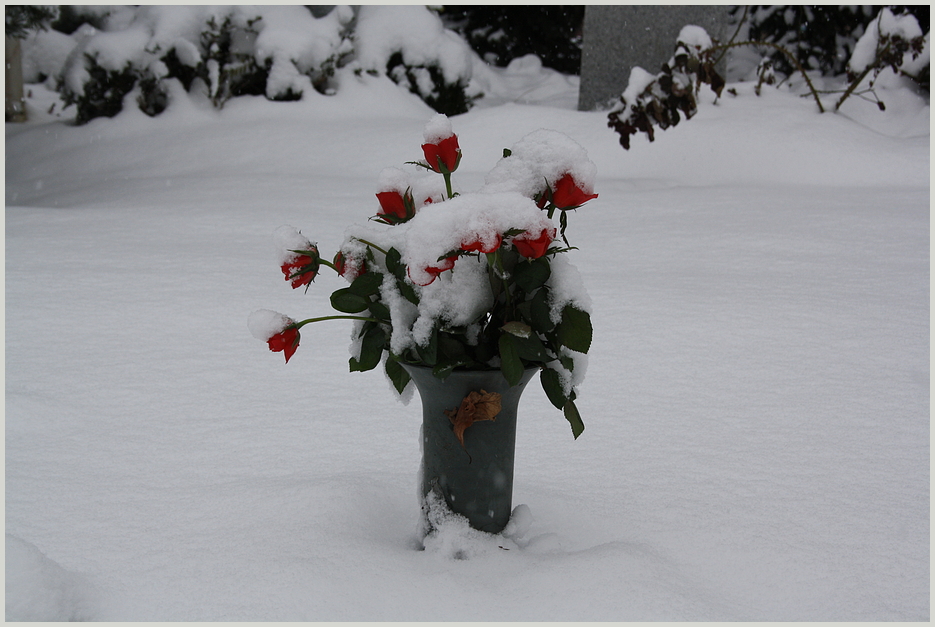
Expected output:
(219, 52)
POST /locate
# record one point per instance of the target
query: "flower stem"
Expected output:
(370, 244)
(299, 325)
(447, 176)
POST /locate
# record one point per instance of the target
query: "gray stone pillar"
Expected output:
(618, 37)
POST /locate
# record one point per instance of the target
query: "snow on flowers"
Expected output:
(472, 281)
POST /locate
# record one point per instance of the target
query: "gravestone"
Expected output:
(617, 38)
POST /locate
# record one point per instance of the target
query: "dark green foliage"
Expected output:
(185, 73)
(501, 33)
(821, 37)
(444, 97)
(22, 19)
(72, 17)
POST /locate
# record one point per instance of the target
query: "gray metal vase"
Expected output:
(476, 480)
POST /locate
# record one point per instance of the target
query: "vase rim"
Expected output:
(421, 367)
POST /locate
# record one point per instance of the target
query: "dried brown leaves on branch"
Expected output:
(674, 89)
(475, 407)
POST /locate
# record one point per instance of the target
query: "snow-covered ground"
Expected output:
(756, 403)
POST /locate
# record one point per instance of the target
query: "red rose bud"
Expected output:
(534, 248)
(433, 271)
(286, 341)
(302, 269)
(340, 264)
(567, 194)
(395, 207)
(479, 247)
(444, 156)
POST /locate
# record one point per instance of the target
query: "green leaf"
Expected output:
(531, 275)
(346, 301)
(428, 354)
(510, 363)
(552, 385)
(449, 348)
(379, 310)
(539, 311)
(392, 261)
(573, 418)
(507, 152)
(574, 331)
(371, 350)
(394, 265)
(407, 291)
(531, 348)
(396, 373)
(367, 284)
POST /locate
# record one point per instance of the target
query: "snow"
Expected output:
(756, 401)
(639, 80)
(437, 129)
(38, 589)
(264, 323)
(695, 37)
(541, 158)
(286, 240)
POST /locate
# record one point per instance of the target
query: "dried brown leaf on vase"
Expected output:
(475, 407)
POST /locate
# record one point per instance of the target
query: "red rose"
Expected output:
(443, 156)
(302, 269)
(286, 341)
(349, 268)
(445, 264)
(534, 248)
(567, 194)
(395, 207)
(478, 246)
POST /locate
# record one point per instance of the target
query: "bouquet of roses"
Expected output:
(467, 281)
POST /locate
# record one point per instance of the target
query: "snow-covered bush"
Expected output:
(414, 49)
(279, 52)
(821, 38)
(892, 43)
(220, 52)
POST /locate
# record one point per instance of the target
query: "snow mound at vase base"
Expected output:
(39, 589)
(451, 536)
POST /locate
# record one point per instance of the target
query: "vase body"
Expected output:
(476, 480)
